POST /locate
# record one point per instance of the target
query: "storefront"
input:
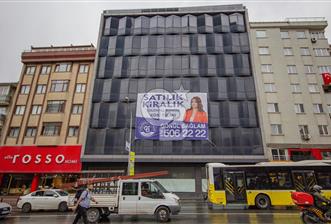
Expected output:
(296, 154)
(27, 168)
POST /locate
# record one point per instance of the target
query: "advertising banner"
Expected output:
(169, 116)
(39, 159)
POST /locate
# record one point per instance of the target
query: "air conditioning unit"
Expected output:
(305, 137)
(313, 40)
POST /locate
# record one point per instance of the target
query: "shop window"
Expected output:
(301, 155)
(326, 155)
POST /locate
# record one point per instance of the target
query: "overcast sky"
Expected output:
(42, 23)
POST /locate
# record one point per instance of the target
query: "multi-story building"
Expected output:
(7, 91)
(43, 132)
(289, 58)
(197, 49)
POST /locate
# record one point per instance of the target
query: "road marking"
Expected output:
(181, 213)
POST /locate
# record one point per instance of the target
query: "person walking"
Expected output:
(83, 204)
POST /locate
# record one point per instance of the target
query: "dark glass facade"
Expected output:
(205, 51)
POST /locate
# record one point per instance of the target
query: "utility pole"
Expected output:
(128, 144)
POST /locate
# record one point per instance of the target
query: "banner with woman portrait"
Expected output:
(167, 116)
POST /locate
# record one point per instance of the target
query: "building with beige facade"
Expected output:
(49, 112)
(7, 91)
(294, 104)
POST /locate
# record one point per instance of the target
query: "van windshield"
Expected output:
(160, 187)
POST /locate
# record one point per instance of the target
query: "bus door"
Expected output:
(235, 188)
(304, 180)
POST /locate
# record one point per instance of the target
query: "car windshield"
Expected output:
(160, 187)
(62, 193)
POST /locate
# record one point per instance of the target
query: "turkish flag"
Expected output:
(326, 78)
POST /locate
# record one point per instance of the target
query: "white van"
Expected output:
(134, 197)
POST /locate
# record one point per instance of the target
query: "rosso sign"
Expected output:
(38, 159)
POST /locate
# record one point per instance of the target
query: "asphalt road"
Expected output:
(192, 213)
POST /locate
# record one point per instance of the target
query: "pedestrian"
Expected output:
(83, 204)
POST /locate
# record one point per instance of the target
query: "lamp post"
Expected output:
(127, 100)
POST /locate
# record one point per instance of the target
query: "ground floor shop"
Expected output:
(297, 154)
(28, 168)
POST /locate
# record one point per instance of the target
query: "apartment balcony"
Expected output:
(5, 99)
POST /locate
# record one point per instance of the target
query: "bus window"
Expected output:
(280, 180)
(218, 179)
(257, 180)
(324, 179)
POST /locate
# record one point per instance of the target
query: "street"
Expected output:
(191, 213)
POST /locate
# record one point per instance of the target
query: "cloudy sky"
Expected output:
(57, 22)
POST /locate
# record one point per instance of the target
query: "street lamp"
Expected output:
(127, 100)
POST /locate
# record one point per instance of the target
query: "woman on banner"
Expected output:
(196, 113)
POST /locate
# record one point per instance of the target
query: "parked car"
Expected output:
(49, 199)
(5, 209)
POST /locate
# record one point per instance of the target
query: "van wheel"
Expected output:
(162, 214)
(262, 201)
(63, 207)
(26, 208)
(93, 215)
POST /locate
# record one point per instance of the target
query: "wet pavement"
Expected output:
(191, 213)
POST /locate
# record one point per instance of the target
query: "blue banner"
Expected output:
(172, 116)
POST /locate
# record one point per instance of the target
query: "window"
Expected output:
(266, 68)
(63, 67)
(19, 110)
(270, 87)
(41, 89)
(323, 129)
(324, 177)
(150, 190)
(3, 110)
(59, 85)
(73, 131)
(298, 108)
(292, 69)
(317, 35)
(257, 180)
(276, 129)
(317, 108)
(329, 108)
(280, 180)
(4, 90)
(288, 51)
(55, 106)
(313, 88)
(130, 188)
(273, 107)
(45, 70)
(83, 68)
(284, 34)
(30, 70)
(261, 34)
(321, 52)
(25, 89)
(218, 180)
(31, 132)
(324, 68)
(304, 51)
(13, 132)
(301, 34)
(295, 88)
(51, 128)
(303, 130)
(309, 69)
(77, 109)
(278, 154)
(264, 50)
(36, 109)
(327, 155)
(80, 88)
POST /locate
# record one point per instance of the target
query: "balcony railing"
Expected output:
(4, 99)
(279, 158)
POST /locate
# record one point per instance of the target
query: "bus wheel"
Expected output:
(262, 201)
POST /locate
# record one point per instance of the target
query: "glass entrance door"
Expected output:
(235, 188)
